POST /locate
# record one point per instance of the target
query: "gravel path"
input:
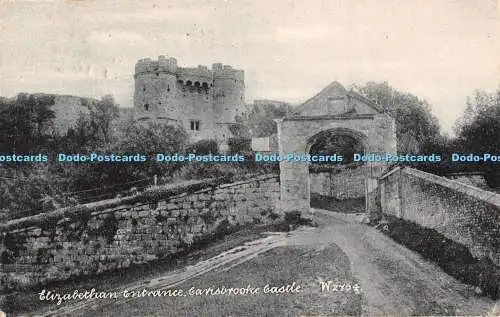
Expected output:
(394, 280)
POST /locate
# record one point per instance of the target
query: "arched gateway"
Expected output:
(340, 112)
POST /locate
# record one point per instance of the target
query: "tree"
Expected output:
(78, 138)
(102, 114)
(23, 121)
(330, 143)
(260, 119)
(142, 139)
(41, 116)
(154, 138)
(417, 129)
(91, 130)
(478, 130)
(15, 129)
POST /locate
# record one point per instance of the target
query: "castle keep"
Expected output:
(206, 102)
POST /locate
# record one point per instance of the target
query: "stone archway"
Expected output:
(339, 186)
(340, 131)
(333, 109)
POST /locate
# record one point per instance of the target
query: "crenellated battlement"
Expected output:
(227, 71)
(162, 64)
(201, 72)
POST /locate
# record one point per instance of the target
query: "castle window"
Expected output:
(189, 83)
(146, 107)
(168, 88)
(194, 125)
(197, 83)
(144, 88)
(205, 85)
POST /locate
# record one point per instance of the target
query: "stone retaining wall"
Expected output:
(461, 212)
(114, 234)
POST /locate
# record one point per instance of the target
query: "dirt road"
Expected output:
(395, 280)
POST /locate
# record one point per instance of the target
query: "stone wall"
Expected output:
(342, 184)
(463, 213)
(113, 234)
(67, 110)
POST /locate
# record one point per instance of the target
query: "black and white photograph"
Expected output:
(249, 158)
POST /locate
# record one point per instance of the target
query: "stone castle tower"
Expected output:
(206, 102)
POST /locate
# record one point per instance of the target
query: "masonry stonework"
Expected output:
(341, 184)
(463, 213)
(338, 111)
(115, 234)
(67, 111)
(206, 102)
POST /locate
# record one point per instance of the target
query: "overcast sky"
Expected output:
(438, 50)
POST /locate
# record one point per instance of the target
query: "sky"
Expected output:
(439, 50)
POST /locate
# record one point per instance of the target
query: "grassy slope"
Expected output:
(281, 266)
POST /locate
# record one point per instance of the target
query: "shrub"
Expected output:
(30, 194)
(239, 145)
(199, 170)
(293, 217)
(204, 147)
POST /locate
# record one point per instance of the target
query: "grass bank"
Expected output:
(307, 267)
(351, 205)
(454, 258)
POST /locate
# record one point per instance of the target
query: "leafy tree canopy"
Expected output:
(260, 118)
(23, 122)
(417, 129)
(478, 130)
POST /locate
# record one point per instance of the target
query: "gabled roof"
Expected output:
(365, 100)
(335, 88)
